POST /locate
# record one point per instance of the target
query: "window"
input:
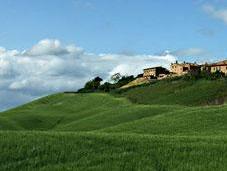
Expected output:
(185, 68)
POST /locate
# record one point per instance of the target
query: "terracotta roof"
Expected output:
(212, 65)
(221, 63)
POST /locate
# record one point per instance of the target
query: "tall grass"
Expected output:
(89, 151)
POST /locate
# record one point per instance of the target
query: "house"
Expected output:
(219, 66)
(179, 69)
(205, 67)
(155, 72)
(183, 68)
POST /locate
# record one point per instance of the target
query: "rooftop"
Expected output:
(184, 63)
(221, 63)
(153, 68)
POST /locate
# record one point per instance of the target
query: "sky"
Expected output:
(49, 46)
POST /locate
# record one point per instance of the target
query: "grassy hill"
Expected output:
(136, 82)
(187, 93)
(168, 125)
(78, 112)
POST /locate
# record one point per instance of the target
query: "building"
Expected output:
(205, 67)
(183, 68)
(219, 66)
(155, 72)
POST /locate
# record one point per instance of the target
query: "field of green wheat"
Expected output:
(168, 125)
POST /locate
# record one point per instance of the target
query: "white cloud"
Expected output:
(191, 52)
(220, 14)
(51, 47)
(50, 67)
(133, 65)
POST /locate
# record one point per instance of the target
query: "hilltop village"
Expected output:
(179, 69)
(210, 71)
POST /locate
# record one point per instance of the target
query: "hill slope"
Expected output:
(78, 112)
(188, 121)
(94, 112)
(180, 92)
(168, 128)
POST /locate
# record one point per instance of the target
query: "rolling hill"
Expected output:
(180, 92)
(167, 125)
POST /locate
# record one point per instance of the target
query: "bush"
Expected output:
(195, 75)
(192, 75)
(124, 80)
(217, 75)
(175, 78)
(106, 87)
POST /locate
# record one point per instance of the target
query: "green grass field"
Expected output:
(189, 93)
(163, 126)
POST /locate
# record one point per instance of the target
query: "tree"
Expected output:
(116, 77)
(97, 79)
(124, 80)
(92, 85)
(106, 87)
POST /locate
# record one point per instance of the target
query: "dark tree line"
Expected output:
(95, 85)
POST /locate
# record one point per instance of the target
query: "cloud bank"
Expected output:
(49, 67)
(191, 52)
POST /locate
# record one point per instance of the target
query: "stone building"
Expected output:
(219, 66)
(183, 68)
(155, 72)
(205, 67)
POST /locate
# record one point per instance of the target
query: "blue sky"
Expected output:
(118, 26)
(49, 46)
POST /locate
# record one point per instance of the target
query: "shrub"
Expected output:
(124, 80)
(106, 87)
(195, 75)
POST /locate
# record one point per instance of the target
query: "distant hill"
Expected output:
(167, 125)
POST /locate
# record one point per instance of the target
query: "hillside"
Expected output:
(180, 92)
(136, 82)
(78, 112)
(167, 125)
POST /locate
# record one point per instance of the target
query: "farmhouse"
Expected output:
(219, 66)
(205, 67)
(183, 68)
(179, 69)
(155, 72)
